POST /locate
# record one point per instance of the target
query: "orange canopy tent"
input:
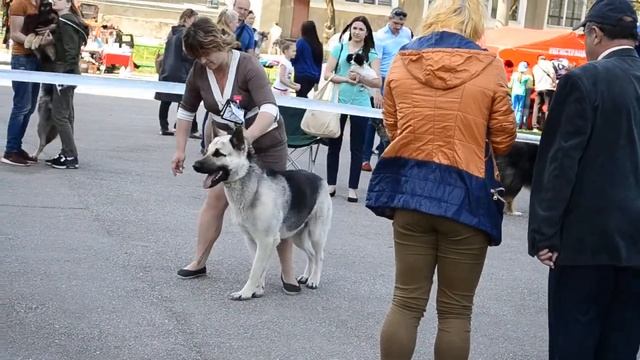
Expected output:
(568, 46)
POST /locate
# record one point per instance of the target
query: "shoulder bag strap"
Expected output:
(76, 27)
(339, 56)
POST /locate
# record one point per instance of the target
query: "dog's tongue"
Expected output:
(214, 178)
(208, 181)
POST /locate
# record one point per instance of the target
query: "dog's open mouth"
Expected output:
(215, 178)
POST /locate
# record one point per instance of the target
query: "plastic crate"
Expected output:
(145, 55)
(272, 74)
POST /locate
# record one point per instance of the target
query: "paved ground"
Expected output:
(88, 262)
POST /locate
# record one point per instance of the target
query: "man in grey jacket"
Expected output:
(585, 199)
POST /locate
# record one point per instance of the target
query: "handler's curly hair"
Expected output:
(204, 37)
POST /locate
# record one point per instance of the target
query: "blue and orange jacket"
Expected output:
(444, 97)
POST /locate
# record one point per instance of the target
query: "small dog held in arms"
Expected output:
(516, 172)
(359, 66)
(269, 206)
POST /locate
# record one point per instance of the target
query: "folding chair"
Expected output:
(298, 141)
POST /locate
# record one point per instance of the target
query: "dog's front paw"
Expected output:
(246, 295)
(313, 284)
(515, 213)
(302, 279)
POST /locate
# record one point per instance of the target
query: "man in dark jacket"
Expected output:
(585, 199)
(175, 67)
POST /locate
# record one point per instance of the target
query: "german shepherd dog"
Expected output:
(47, 132)
(516, 172)
(269, 206)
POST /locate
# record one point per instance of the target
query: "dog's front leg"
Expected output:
(251, 245)
(508, 207)
(264, 251)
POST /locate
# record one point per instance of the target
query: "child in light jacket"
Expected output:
(520, 85)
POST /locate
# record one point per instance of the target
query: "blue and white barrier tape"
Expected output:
(178, 88)
(172, 88)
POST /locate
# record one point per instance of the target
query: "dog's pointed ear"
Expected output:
(217, 132)
(237, 138)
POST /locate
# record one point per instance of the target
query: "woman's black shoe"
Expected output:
(290, 289)
(190, 274)
(352, 199)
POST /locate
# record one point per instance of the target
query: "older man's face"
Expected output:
(242, 7)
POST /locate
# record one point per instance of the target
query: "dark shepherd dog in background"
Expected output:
(516, 172)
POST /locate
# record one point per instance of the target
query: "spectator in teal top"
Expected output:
(389, 40)
(354, 90)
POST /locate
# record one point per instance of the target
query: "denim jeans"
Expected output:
(370, 136)
(25, 99)
(358, 128)
(517, 103)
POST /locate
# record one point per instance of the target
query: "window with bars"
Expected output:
(372, 2)
(213, 4)
(567, 13)
(492, 6)
(556, 8)
(574, 12)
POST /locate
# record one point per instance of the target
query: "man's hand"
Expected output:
(177, 164)
(547, 257)
(378, 100)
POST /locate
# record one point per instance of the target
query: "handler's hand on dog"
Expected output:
(547, 257)
(177, 164)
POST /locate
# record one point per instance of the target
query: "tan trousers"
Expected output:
(424, 244)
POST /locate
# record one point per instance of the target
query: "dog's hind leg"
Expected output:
(508, 207)
(264, 250)
(319, 227)
(303, 240)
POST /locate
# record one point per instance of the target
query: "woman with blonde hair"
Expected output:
(447, 111)
(228, 19)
